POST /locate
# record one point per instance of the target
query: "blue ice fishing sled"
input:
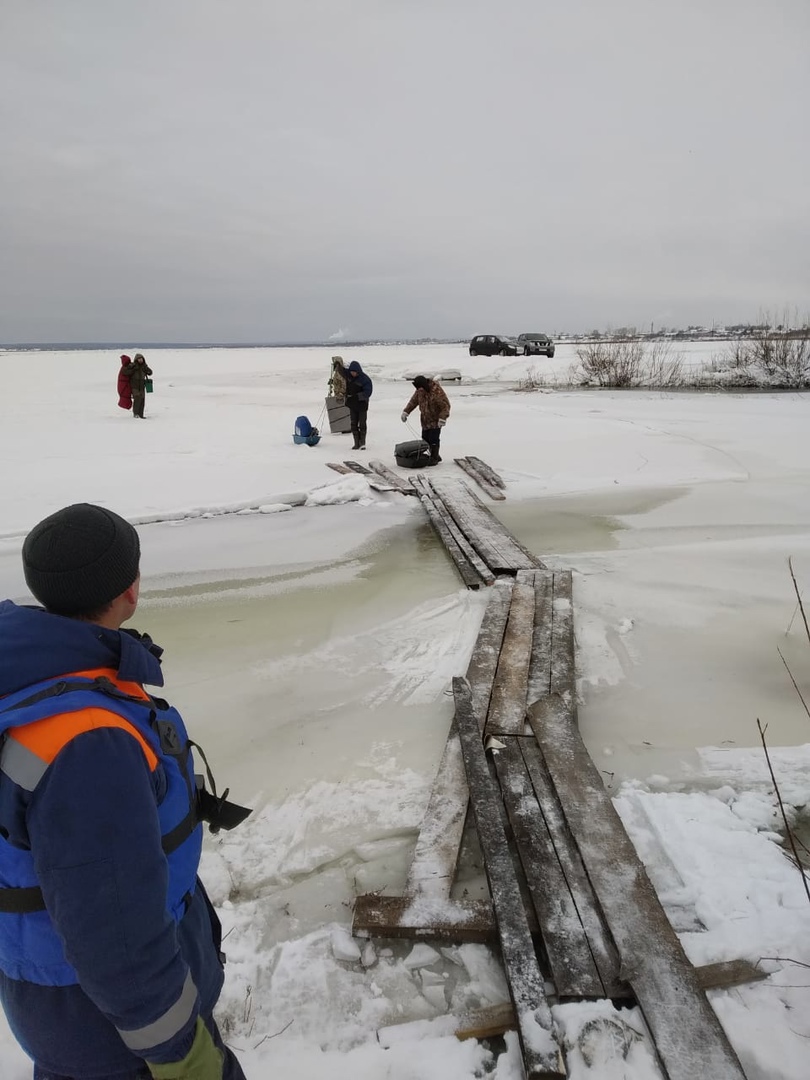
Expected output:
(305, 433)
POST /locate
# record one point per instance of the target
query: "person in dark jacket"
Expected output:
(434, 409)
(109, 946)
(137, 373)
(124, 388)
(359, 389)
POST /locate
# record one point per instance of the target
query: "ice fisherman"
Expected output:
(434, 409)
(359, 389)
(137, 373)
(110, 962)
(124, 388)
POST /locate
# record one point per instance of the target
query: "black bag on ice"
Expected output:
(412, 455)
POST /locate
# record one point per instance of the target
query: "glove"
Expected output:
(442, 423)
(404, 417)
(203, 1061)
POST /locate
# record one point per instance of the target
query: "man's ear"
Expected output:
(131, 594)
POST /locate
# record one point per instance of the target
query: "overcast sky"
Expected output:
(287, 170)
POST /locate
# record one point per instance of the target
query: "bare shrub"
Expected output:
(775, 356)
(627, 363)
(532, 380)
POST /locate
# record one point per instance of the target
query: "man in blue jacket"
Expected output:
(359, 388)
(109, 947)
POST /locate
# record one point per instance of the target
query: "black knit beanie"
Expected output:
(420, 382)
(80, 558)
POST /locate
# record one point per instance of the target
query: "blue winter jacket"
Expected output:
(364, 387)
(93, 829)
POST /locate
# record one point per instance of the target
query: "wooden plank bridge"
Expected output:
(570, 900)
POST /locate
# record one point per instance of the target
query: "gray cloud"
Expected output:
(194, 170)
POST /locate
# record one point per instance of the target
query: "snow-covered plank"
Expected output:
(686, 1031)
(432, 917)
(573, 890)
(507, 708)
(338, 466)
(391, 477)
(571, 963)
(541, 1055)
(435, 857)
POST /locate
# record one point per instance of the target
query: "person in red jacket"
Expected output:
(124, 388)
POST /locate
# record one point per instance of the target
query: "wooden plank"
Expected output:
(391, 477)
(490, 489)
(487, 649)
(573, 970)
(355, 466)
(594, 930)
(338, 467)
(727, 973)
(486, 539)
(562, 672)
(467, 550)
(539, 681)
(491, 539)
(498, 1019)
(469, 575)
(686, 1031)
(487, 471)
(507, 709)
(541, 1055)
(435, 918)
(435, 857)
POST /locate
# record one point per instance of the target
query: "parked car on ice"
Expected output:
(535, 344)
(493, 345)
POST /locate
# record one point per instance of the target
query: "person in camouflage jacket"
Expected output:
(138, 372)
(434, 409)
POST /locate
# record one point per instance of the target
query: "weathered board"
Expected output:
(391, 477)
(686, 1031)
(507, 708)
(436, 918)
(467, 549)
(486, 470)
(491, 539)
(571, 963)
(593, 928)
(469, 575)
(338, 467)
(541, 1055)
(486, 486)
(435, 857)
(539, 680)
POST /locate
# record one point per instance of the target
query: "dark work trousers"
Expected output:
(432, 437)
(138, 401)
(358, 411)
(231, 1069)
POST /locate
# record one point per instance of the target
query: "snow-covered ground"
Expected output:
(311, 652)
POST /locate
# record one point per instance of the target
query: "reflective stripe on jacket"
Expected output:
(33, 734)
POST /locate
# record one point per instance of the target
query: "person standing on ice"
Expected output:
(359, 389)
(137, 373)
(434, 409)
(124, 388)
(110, 962)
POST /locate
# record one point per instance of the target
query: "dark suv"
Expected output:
(535, 344)
(493, 345)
